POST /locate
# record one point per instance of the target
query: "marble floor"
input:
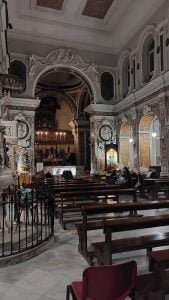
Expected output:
(46, 276)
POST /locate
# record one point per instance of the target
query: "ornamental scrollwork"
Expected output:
(62, 56)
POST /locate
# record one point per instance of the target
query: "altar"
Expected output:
(58, 170)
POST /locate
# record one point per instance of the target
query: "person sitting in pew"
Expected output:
(152, 173)
(127, 176)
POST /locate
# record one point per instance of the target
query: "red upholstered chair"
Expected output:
(114, 282)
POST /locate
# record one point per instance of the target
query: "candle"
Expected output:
(60, 137)
(56, 133)
(46, 133)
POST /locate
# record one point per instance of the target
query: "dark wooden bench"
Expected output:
(80, 187)
(104, 250)
(155, 185)
(73, 200)
(159, 261)
(94, 215)
(74, 186)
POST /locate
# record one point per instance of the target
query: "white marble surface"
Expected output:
(58, 170)
(46, 276)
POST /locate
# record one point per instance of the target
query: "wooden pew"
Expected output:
(156, 185)
(104, 250)
(100, 212)
(73, 200)
(75, 187)
(53, 181)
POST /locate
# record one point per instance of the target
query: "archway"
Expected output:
(61, 125)
(149, 141)
(126, 145)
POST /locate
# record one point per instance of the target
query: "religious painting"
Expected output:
(111, 155)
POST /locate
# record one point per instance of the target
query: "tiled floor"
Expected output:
(46, 276)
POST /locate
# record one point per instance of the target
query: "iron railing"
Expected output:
(26, 220)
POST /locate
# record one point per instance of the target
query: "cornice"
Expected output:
(153, 91)
(100, 108)
(23, 103)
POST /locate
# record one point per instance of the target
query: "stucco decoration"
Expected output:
(63, 57)
(133, 115)
(10, 130)
(3, 108)
(23, 130)
(125, 119)
(146, 109)
(103, 122)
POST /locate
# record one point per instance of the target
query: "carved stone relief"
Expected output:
(146, 109)
(63, 57)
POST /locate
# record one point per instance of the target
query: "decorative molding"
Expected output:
(125, 119)
(133, 114)
(65, 57)
(146, 109)
(100, 108)
(23, 103)
(10, 131)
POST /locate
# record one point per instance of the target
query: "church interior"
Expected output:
(84, 148)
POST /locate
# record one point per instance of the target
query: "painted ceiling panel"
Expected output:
(97, 9)
(54, 4)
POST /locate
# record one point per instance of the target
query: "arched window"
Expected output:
(18, 69)
(107, 86)
(125, 77)
(148, 58)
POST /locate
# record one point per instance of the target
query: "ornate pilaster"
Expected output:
(97, 143)
(164, 134)
(21, 113)
(134, 124)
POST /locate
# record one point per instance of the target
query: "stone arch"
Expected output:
(64, 58)
(125, 57)
(150, 31)
(149, 140)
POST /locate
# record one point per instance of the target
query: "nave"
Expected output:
(46, 276)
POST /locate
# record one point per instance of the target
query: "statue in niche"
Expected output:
(22, 160)
(6, 174)
(4, 158)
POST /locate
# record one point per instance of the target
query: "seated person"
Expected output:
(67, 175)
(154, 174)
(127, 175)
(48, 175)
(134, 175)
(111, 179)
(120, 181)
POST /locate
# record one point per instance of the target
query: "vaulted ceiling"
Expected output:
(103, 26)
